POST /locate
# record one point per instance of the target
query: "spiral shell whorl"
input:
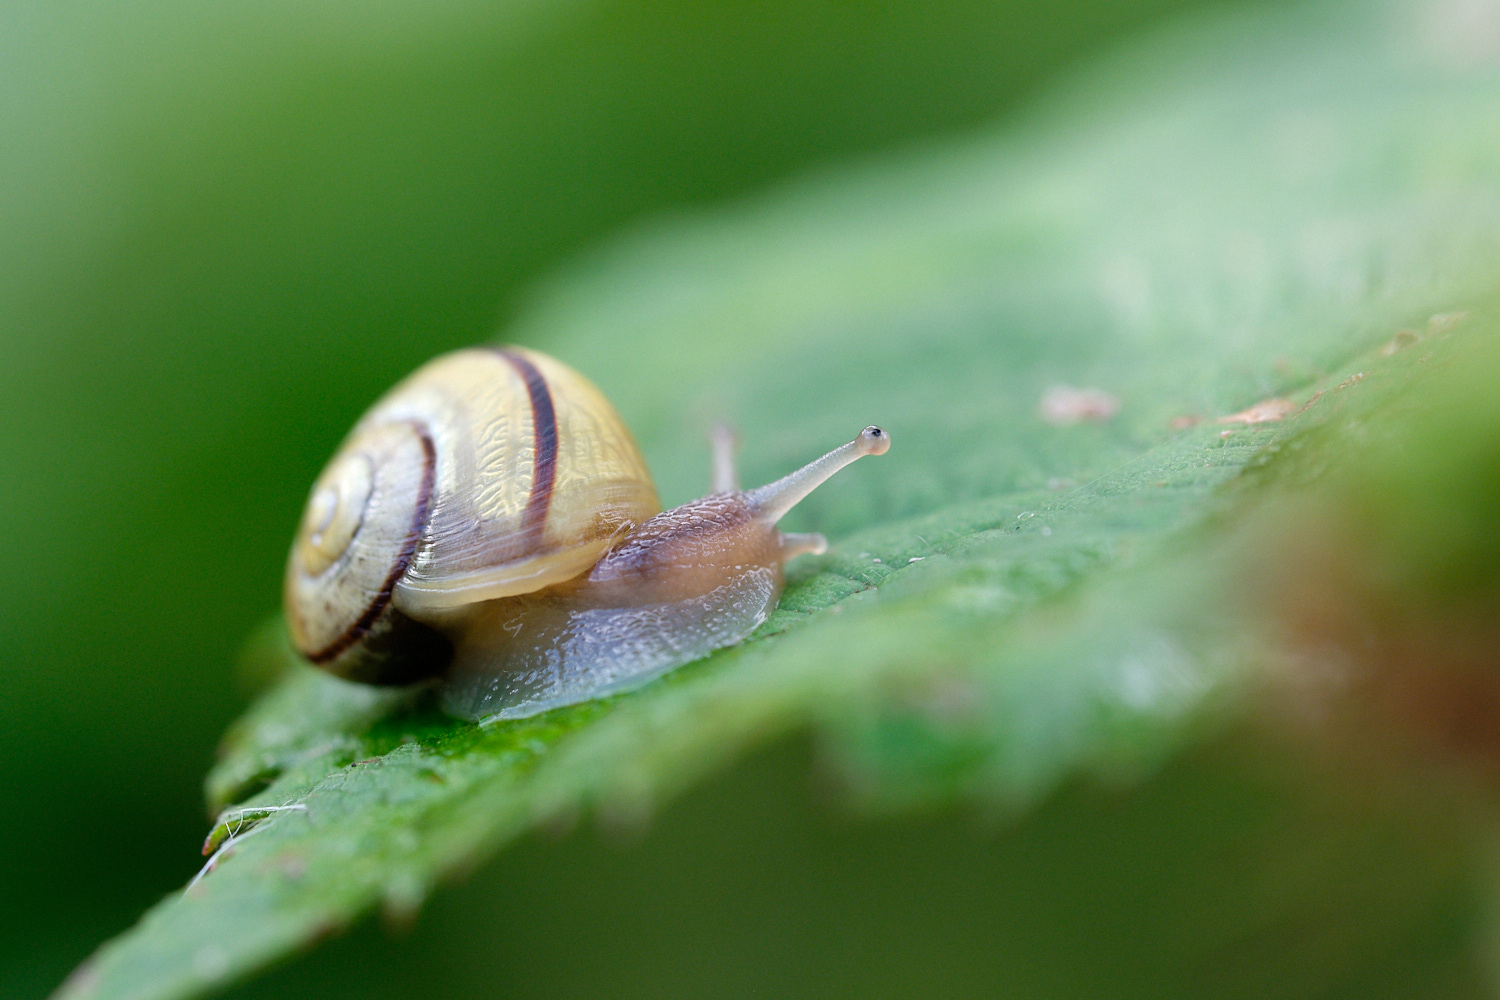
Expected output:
(358, 535)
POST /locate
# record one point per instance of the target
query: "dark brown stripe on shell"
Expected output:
(382, 599)
(543, 444)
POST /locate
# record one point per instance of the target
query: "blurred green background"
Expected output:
(225, 228)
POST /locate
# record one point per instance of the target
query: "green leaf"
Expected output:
(1236, 211)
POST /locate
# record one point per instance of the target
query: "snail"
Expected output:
(491, 522)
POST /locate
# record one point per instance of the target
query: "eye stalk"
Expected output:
(770, 503)
(726, 478)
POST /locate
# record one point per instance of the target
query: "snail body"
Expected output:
(491, 521)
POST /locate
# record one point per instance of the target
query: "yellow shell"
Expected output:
(486, 473)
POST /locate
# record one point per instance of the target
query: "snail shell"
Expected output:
(486, 473)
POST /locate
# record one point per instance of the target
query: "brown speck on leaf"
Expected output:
(1351, 380)
(1064, 405)
(1265, 412)
(1183, 421)
(1403, 338)
(1308, 405)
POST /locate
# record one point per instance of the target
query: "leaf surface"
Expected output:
(1031, 585)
